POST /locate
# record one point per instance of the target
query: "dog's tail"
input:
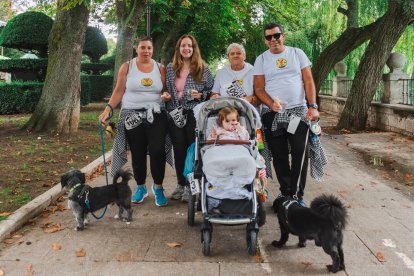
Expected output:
(126, 175)
(331, 207)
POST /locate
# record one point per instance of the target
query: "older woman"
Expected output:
(142, 121)
(189, 82)
(235, 79)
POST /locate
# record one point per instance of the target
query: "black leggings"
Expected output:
(287, 173)
(148, 138)
(182, 138)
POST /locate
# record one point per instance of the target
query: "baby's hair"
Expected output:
(223, 114)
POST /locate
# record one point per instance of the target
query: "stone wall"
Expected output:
(389, 117)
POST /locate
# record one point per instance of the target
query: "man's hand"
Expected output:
(312, 114)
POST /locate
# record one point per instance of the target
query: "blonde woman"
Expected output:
(189, 82)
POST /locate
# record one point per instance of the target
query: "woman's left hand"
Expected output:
(165, 96)
(196, 95)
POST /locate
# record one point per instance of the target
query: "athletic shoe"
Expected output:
(186, 194)
(140, 194)
(301, 202)
(160, 199)
(178, 192)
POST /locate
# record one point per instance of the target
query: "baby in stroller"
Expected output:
(228, 126)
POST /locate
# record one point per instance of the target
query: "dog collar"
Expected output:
(287, 204)
(74, 187)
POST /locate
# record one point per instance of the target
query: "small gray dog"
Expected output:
(84, 199)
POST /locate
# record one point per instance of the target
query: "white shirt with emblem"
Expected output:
(283, 75)
(224, 82)
(142, 88)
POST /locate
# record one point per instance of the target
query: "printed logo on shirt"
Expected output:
(146, 82)
(281, 63)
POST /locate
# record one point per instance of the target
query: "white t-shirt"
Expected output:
(229, 82)
(283, 75)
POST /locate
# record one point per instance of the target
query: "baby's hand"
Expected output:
(214, 133)
(238, 126)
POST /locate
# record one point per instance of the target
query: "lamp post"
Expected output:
(148, 17)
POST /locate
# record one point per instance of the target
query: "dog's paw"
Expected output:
(301, 244)
(332, 268)
(79, 228)
(116, 216)
(85, 221)
(277, 244)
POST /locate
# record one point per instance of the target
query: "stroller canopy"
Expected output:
(202, 112)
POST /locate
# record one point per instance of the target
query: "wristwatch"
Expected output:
(313, 106)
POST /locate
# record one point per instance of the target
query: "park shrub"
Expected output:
(19, 97)
(85, 94)
(29, 30)
(100, 86)
(95, 44)
(37, 66)
(96, 68)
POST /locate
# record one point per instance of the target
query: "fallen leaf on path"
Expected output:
(306, 264)
(380, 257)
(56, 247)
(373, 183)
(5, 214)
(174, 244)
(52, 227)
(126, 257)
(349, 206)
(9, 241)
(80, 253)
(343, 193)
(16, 236)
(258, 258)
(385, 175)
(29, 270)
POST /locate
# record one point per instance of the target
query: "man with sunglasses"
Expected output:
(283, 82)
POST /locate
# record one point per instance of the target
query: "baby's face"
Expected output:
(230, 122)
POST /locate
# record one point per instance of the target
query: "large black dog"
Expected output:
(84, 199)
(323, 222)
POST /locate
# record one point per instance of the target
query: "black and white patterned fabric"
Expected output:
(120, 146)
(316, 153)
(204, 87)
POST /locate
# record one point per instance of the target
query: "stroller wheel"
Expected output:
(191, 210)
(206, 240)
(252, 242)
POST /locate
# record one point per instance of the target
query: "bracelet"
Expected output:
(110, 112)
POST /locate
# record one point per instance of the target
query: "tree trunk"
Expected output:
(128, 15)
(399, 15)
(59, 106)
(349, 40)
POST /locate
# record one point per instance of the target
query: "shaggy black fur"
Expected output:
(323, 222)
(118, 192)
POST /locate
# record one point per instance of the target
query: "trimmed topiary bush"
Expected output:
(100, 86)
(95, 44)
(37, 66)
(29, 30)
(19, 97)
(96, 68)
(85, 94)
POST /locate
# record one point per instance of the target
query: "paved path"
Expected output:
(379, 239)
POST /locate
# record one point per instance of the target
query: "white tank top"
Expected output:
(142, 88)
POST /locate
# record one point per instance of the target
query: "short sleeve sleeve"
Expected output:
(303, 59)
(258, 66)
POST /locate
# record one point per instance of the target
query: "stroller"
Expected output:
(224, 183)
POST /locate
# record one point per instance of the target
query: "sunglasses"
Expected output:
(276, 36)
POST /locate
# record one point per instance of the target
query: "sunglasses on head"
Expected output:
(276, 36)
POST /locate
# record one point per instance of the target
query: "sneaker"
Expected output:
(178, 192)
(301, 202)
(160, 199)
(140, 194)
(186, 194)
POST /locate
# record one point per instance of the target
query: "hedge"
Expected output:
(100, 86)
(19, 97)
(95, 44)
(22, 97)
(19, 65)
(29, 30)
(96, 68)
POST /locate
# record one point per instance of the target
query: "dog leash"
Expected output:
(111, 113)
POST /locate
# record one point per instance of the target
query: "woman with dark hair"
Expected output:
(189, 82)
(142, 121)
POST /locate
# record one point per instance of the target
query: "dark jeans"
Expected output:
(148, 138)
(287, 171)
(182, 138)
